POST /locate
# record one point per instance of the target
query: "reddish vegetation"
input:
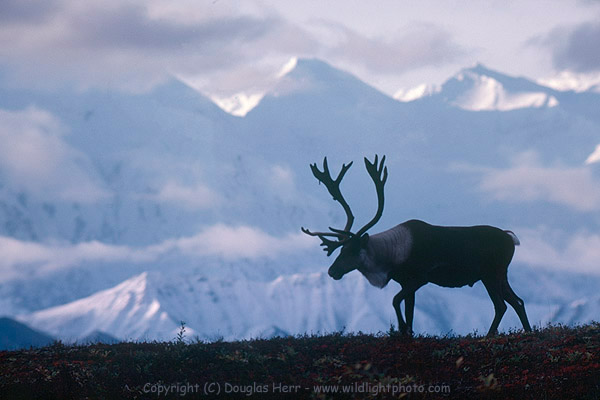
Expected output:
(552, 363)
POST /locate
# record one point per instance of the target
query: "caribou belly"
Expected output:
(453, 276)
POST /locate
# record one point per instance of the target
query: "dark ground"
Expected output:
(550, 363)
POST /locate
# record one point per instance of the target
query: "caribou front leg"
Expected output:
(402, 327)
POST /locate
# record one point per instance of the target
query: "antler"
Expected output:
(376, 174)
(333, 186)
(330, 245)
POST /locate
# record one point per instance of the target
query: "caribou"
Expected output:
(415, 253)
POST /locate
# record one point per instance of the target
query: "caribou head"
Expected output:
(351, 243)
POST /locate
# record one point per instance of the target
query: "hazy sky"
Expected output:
(227, 47)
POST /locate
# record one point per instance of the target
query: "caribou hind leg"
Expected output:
(409, 310)
(516, 303)
(494, 289)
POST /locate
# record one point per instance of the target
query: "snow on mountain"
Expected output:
(480, 89)
(238, 104)
(416, 92)
(151, 306)
(124, 140)
(128, 311)
(594, 157)
(578, 82)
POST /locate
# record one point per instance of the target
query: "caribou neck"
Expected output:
(384, 252)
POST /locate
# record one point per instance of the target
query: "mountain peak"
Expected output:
(319, 79)
(288, 78)
(128, 310)
(313, 70)
(312, 66)
(480, 69)
(176, 92)
(479, 88)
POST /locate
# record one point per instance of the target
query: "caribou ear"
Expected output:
(364, 240)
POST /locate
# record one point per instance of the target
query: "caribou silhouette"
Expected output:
(415, 253)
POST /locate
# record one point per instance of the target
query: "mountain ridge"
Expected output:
(152, 306)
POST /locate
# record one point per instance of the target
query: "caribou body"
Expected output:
(415, 253)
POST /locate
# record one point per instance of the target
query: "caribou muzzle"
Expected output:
(335, 274)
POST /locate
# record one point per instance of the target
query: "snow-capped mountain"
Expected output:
(480, 89)
(151, 306)
(168, 184)
(128, 310)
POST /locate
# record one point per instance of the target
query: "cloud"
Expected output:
(415, 46)
(280, 182)
(573, 48)
(131, 27)
(22, 258)
(192, 197)
(227, 242)
(529, 181)
(34, 156)
(223, 48)
(232, 243)
(19, 11)
(135, 44)
(546, 248)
